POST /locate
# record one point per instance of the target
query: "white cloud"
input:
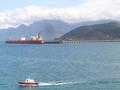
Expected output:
(89, 10)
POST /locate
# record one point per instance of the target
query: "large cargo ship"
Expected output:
(34, 40)
(23, 40)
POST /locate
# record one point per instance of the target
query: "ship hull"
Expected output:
(24, 42)
(27, 84)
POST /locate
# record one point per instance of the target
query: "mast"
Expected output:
(39, 35)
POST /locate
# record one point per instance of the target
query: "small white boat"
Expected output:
(28, 82)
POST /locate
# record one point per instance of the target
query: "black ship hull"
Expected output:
(23, 42)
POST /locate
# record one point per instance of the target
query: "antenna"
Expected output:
(39, 35)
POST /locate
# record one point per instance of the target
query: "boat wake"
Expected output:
(54, 83)
(79, 83)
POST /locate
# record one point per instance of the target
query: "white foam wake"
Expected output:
(53, 83)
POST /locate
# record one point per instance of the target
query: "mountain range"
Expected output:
(48, 29)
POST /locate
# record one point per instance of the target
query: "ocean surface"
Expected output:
(83, 66)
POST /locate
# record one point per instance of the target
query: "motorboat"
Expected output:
(28, 82)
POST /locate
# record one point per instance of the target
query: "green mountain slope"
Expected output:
(106, 31)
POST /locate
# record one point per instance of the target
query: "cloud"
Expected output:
(89, 10)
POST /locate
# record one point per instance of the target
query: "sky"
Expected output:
(16, 12)
(12, 4)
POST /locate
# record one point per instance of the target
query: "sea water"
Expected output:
(83, 66)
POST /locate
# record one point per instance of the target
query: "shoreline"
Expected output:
(78, 41)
